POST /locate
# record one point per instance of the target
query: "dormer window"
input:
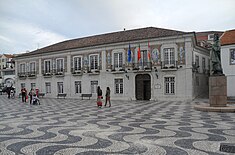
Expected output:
(210, 36)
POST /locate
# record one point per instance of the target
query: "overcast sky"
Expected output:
(26, 25)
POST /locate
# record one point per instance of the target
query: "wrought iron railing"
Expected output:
(170, 64)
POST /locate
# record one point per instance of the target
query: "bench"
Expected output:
(86, 95)
(41, 94)
(61, 95)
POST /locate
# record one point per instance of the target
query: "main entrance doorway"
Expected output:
(143, 87)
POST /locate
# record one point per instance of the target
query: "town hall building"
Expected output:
(141, 64)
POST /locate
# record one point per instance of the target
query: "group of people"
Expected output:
(100, 97)
(33, 98)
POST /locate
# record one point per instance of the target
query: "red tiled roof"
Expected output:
(204, 35)
(228, 38)
(115, 37)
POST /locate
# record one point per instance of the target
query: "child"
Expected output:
(35, 100)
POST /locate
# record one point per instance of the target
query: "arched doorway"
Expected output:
(143, 87)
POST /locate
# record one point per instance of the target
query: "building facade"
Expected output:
(228, 60)
(141, 64)
(7, 70)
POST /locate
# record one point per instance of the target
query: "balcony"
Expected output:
(142, 67)
(32, 74)
(22, 75)
(170, 65)
(77, 71)
(115, 69)
(47, 73)
(59, 72)
(93, 70)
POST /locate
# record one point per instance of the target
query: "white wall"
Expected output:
(228, 69)
(183, 75)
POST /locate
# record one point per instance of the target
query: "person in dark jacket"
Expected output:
(107, 97)
(8, 92)
(23, 94)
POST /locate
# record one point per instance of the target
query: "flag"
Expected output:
(129, 53)
(149, 56)
(139, 54)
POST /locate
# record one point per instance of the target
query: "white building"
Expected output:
(170, 66)
(7, 70)
(228, 60)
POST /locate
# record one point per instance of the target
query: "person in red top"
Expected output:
(99, 97)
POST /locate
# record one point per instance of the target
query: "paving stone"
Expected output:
(128, 127)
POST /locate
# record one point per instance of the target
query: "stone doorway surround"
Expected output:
(143, 87)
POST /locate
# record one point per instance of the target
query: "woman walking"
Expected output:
(99, 97)
(107, 97)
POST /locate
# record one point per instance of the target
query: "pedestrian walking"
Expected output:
(31, 93)
(8, 92)
(23, 94)
(99, 97)
(107, 97)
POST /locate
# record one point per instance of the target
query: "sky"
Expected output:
(26, 25)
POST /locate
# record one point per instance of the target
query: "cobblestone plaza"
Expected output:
(64, 126)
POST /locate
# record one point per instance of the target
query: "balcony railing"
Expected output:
(95, 70)
(169, 65)
(59, 71)
(22, 74)
(32, 74)
(47, 72)
(118, 68)
(76, 70)
(144, 66)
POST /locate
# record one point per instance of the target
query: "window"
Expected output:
(211, 37)
(33, 85)
(59, 65)
(169, 56)
(22, 68)
(94, 62)
(9, 72)
(22, 85)
(118, 86)
(169, 85)
(60, 86)
(47, 66)
(232, 56)
(48, 87)
(94, 85)
(78, 87)
(32, 67)
(118, 60)
(197, 60)
(77, 63)
(197, 81)
(204, 64)
(208, 65)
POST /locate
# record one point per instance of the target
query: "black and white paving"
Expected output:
(66, 127)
